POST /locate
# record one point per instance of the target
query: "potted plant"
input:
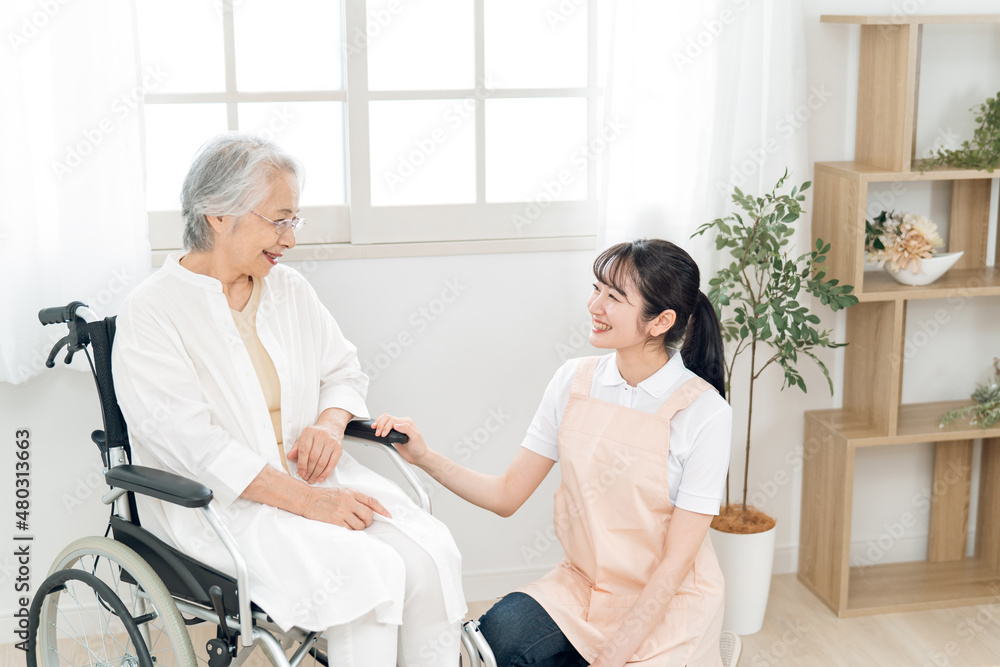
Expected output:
(757, 299)
(983, 152)
(985, 411)
(904, 244)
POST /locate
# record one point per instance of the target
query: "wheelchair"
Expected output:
(127, 599)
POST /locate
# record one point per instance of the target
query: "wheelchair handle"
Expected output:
(59, 314)
(74, 314)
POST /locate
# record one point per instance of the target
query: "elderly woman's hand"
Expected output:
(342, 507)
(317, 451)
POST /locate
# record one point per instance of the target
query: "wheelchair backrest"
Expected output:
(102, 336)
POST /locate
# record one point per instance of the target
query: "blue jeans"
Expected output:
(521, 633)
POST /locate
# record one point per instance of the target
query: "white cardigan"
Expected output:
(194, 406)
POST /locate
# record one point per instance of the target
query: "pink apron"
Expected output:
(611, 516)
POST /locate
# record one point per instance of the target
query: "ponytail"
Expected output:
(668, 279)
(703, 351)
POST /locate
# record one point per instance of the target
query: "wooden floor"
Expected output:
(800, 631)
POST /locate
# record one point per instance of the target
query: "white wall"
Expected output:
(515, 317)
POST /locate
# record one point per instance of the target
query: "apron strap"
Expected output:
(584, 377)
(683, 397)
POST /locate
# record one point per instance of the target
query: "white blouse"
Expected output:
(194, 406)
(700, 435)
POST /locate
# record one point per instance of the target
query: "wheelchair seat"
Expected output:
(184, 577)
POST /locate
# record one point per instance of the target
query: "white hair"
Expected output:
(229, 176)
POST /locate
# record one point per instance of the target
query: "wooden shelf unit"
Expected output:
(839, 206)
(873, 413)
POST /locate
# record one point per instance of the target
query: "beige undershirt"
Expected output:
(246, 324)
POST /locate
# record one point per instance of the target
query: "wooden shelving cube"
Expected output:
(873, 414)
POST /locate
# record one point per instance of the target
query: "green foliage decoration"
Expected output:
(757, 296)
(983, 152)
(986, 410)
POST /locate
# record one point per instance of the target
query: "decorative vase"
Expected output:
(931, 269)
(746, 562)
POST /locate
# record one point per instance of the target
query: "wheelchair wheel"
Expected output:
(80, 623)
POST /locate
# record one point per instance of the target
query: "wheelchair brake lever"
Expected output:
(215, 595)
(62, 342)
(70, 351)
(222, 648)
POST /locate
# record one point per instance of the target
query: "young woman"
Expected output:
(643, 436)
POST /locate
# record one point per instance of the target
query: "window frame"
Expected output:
(358, 228)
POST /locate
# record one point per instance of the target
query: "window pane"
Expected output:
(536, 148)
(288, 45)
(423, 152)
(183, 38)
(419, 45)
(174, 133)
(311, 131)
(531, 44)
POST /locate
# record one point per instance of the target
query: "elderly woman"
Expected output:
(230, 370)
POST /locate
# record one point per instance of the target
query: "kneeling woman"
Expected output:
(643, 436)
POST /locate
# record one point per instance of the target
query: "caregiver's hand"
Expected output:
(317, 451)
(413, 451)
(342, 507)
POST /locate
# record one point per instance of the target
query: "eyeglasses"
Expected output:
(282, 226)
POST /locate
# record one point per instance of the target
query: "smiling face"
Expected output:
(617, 318)
(250, 245)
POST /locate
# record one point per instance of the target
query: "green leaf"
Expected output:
(760, 308)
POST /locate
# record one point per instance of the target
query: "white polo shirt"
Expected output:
(700, 435)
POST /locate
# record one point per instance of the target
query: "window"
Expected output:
(453, 120)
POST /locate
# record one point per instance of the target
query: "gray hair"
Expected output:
(229, 177)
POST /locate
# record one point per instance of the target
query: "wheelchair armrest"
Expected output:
(160, 484)
(364, 430)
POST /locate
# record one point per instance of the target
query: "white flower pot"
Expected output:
(931, 269)
(746, 562)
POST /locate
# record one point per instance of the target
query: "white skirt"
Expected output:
(310, 574)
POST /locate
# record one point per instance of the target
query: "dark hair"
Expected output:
(668, 279)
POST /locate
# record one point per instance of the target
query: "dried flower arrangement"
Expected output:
(986, 411)
(901, 239)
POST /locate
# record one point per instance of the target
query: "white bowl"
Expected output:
(931, 269)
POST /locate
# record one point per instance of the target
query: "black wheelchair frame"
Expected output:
(139, 558)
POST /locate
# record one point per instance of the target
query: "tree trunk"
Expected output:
(746, 465)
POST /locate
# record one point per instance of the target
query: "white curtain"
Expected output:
(711, 95)
(73, 223)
